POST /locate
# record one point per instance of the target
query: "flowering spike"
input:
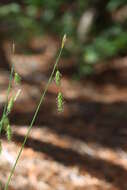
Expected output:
(60, 102)
(9, 132)
(63, 40)
(17, 78)
(5, 122)
(10, 104)
(58, 78)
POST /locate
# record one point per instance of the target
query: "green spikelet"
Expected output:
(5, 123)
(64, 41)
(9, 132)
(60, 102)
(7, 128)
(58, 78)
(17, 78)
(10, 104)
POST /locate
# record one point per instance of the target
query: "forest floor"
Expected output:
(85, 147)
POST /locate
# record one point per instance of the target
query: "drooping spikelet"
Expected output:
(60, 102)
(64, 40)
(58, 78)
(17, 78)
(5, 123)
(9, 132)
(7, 128)
(10, 104)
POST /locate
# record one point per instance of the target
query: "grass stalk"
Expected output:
(8, 92)
(35, 114)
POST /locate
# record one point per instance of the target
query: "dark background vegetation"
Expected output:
(96, 29)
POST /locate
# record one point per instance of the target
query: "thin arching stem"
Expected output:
(34, 118)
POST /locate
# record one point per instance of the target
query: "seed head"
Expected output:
(60, 102)
(9, 132)
(5, 123)
(10, 104)
(17, 78)
(58, 78)
(63, 40)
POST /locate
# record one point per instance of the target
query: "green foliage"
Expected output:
(9, 9)
(108, 44)
(114, 4)
(105, 39)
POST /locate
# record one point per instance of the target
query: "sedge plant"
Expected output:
(4, 122)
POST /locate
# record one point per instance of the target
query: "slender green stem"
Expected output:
(8, 92)
(9, 88)
(34, 118)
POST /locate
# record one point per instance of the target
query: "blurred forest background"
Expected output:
(84, 148)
